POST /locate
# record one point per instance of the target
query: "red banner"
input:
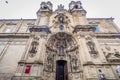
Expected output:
(27, 70)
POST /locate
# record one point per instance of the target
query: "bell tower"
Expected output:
(78, 13)
(44, 13)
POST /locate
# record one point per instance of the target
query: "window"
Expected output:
(20, 69)
(34, 70)
(8, 28)
(96, 28)
(45, 7)
(76, 6)
(61, 27)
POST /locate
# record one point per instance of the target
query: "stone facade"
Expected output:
(59, 45)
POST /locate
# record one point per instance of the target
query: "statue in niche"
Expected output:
(117, 54)
(74, 62)
(91, 46)
(61, 51)
(33, 49)
(50, 62)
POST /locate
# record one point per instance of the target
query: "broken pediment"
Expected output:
(112, 58)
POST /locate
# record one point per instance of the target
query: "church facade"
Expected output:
(59, 45)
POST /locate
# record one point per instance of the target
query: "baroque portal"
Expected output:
(62, 55)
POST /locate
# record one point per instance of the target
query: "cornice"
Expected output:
(107, 35)
(17, 19)
(101, 18)
(26, 35)
(14, 35)
(35, 19)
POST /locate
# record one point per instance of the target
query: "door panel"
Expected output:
(61, 70)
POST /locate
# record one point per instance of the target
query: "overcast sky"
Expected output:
(26, 9)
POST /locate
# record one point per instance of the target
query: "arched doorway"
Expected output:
(61, 56)
(61, 70)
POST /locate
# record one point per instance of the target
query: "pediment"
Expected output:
(111, 57)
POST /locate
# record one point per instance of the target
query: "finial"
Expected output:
(60, 6)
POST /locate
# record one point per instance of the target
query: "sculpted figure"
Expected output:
(50, 62)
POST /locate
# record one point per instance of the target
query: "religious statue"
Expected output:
(33, 49)
(74, 62)
(50, 58)
(50, 62)
(91, 46)
(61, 51)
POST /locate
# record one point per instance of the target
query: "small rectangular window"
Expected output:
(8, 28)
(34, 70)
(20, 69)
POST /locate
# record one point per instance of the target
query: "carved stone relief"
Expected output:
(50, 62)
(112, 55)
(74, 61)
(91, 47)
(117, 53)
(64, 47)
(34, 46)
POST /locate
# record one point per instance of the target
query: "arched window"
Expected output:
(61, 27)
(45, 7)
(76, 6)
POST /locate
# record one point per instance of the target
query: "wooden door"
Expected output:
(61, 70)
